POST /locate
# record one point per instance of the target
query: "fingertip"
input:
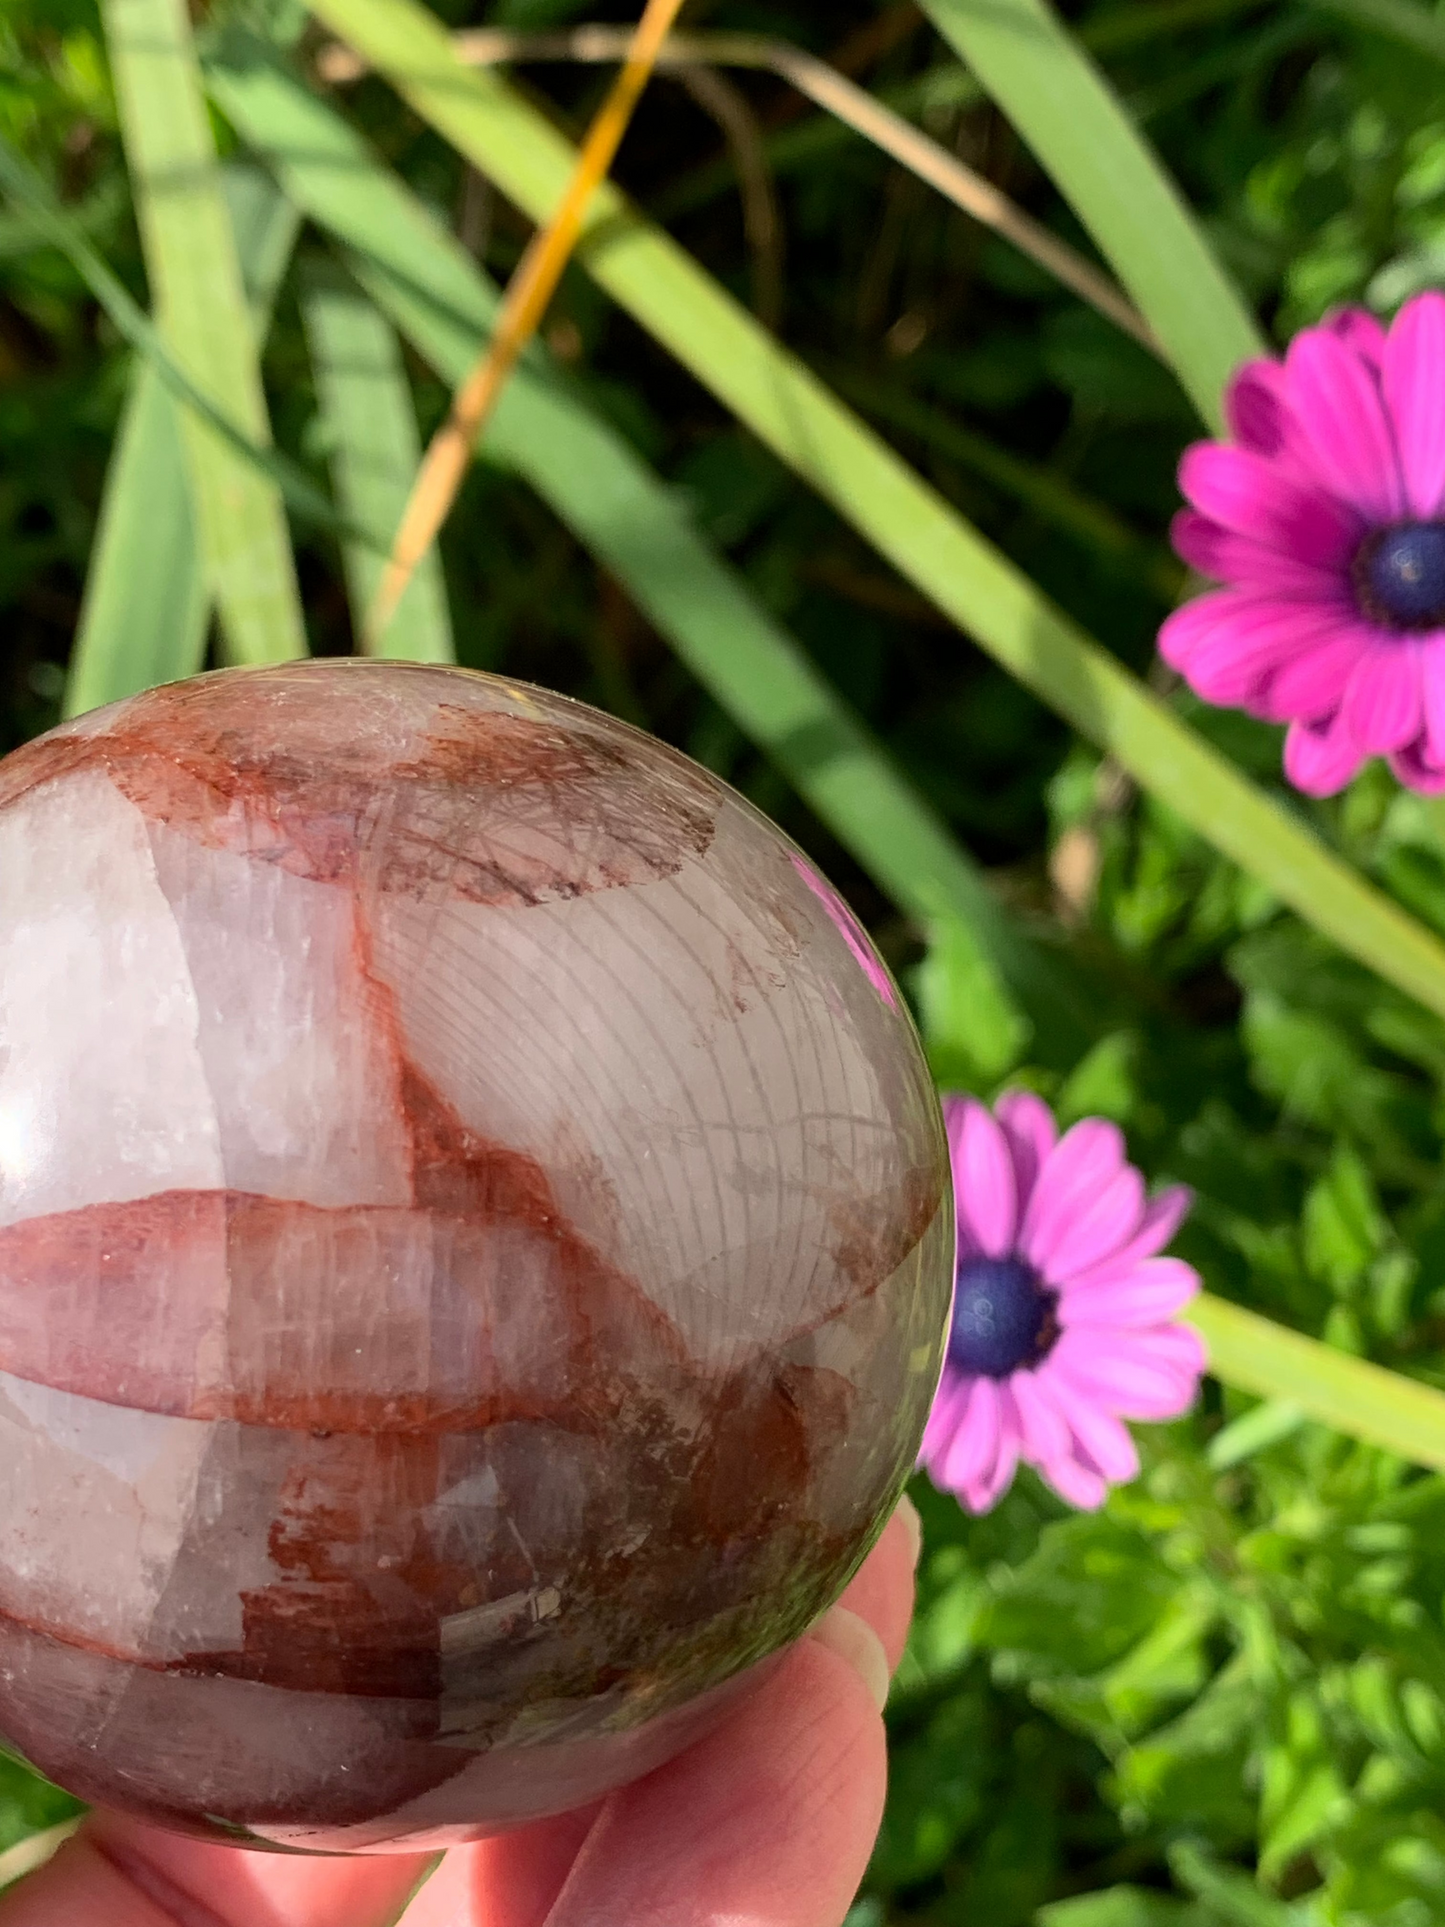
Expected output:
(510, 1880)
(881, 1591)
(771, 1818)
(907, 1515)
(850, 1636)
(123, 1874)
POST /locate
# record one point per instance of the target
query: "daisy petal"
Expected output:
(1081, 1164)
(1103, 1437)
(1337, 401)
(1360, 331)
(1028, 1124)
(1432, 686)
(1321, 760)
(1125, 1373)
(1413, 376)
(1238, 559)
(1044, 1433)
(955, 1109)
(1384, 704)
(1084, 1488)
(983, 1180)
(1256, 409)
(1238, 663)
(950, 1404)
(1162, 1218)
(1190, 627)
(1101, 1225)
(1177, 1346)
(1412, 767)
(1248, 495)
(975, 1444)
(984, 1491)
(1148, 1293)
(1311, 685)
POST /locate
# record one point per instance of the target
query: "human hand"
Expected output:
(770, 1819)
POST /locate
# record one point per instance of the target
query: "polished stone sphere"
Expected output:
(475, 1253)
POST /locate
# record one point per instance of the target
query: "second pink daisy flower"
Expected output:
(1064, 1318)
(1325, 516)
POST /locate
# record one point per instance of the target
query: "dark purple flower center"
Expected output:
(1003, 1317)
(1399, 575)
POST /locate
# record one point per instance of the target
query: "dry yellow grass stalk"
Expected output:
(528, 293)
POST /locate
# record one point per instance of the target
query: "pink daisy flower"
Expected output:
(1063, 1314)
(1326, 518)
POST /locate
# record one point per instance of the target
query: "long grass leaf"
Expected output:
(1065, 109)
(145, 610)
(1402, 20)
(24, 186)
(265, 226)
(369, 425)
(438, 299)
(533, 282)
(201, 310)
(921, 534)
(1350, 1394)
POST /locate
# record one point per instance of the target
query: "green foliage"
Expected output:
(1222, 1699)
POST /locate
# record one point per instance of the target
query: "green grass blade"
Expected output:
(144, 613)
(1400, 20)
(201, 310)
(145, 610)
(370, 428)
(930, 544)
(265, 225)
(433, 292)
(305, 500)
(1350, 1394)
(1065, 109)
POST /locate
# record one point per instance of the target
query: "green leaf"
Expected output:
(936, 1778)
(1065, 109)
(1343, 1225)
(145, 610)
(1232, 1897)
(433, 292)
(1382, 1408)
(202, 313)
(23, 184)
(931, 545)
(1102, 1084)
(1190, 1769)
(1084, 1598)
(1253, 1431)
(974, 1036)
(369, 426)
(1402, 20)
(1119, 1907)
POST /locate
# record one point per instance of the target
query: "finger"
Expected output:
(125, 1875)
(770, 1819)
(511, 1881)
(882, 1591)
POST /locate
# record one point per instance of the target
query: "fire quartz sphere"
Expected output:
(475, 1253)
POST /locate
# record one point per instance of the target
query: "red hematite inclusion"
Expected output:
(475, 1249)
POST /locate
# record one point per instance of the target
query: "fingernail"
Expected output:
(913, 1526)
(855, 1641)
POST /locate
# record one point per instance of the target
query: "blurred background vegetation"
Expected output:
(1223, 1699)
